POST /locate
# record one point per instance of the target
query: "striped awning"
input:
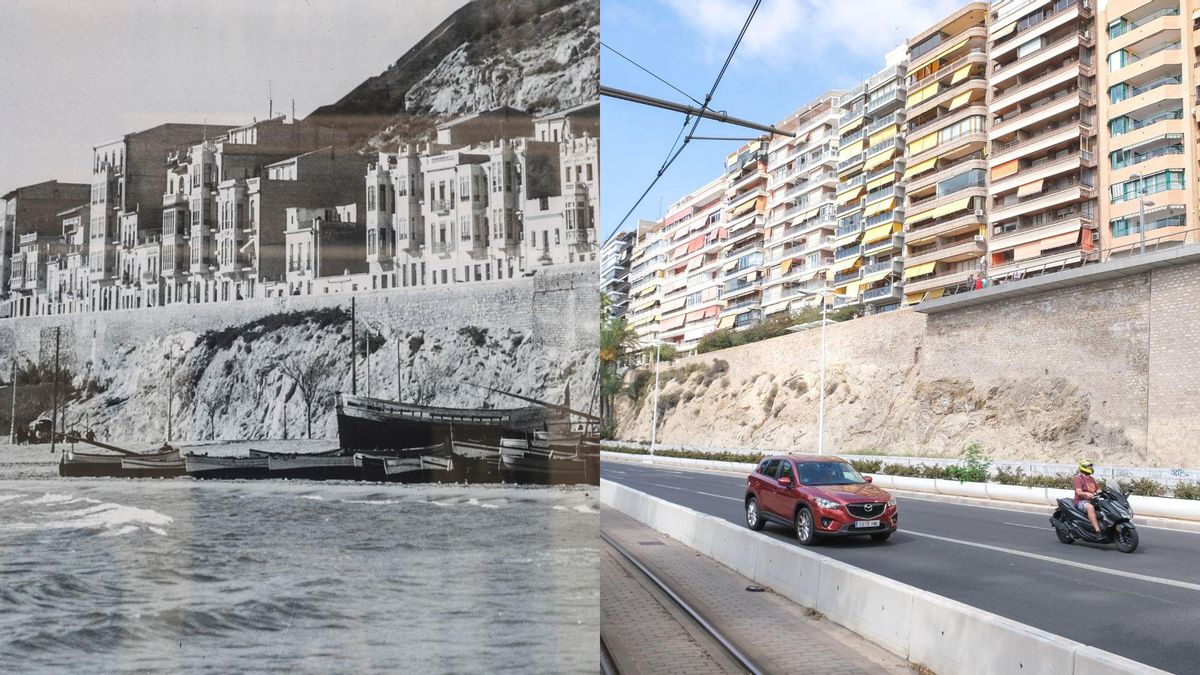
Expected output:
(847, 197)
(843, 265)
(848, 128)
(726, 321)
(961, 74)
(912, 68)
(877, 233)
(884, 133)
(875, 276)
(959, 101)
(777, 307)
(847, 151)
(880, 159)
(879, 207)
(1030, 188)
(881, 181)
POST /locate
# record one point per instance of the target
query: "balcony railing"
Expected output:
(1141, 124)
(1072, 61)
(1120, 29)
(844, 253)
(882, 291)
(848, 229)
(886, 217)
(843, 277)
(894, 118)
(1033, 55)
(856, 159)
(1043, 103)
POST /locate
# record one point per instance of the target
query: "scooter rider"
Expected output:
(1085, 491)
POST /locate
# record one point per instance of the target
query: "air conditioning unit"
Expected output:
(979, 239)
(979, 213)
(1087, 35)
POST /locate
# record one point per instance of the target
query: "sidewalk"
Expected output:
(775, 633)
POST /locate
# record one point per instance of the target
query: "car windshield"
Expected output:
(828, 473)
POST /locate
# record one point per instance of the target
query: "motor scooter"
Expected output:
(1113, 514)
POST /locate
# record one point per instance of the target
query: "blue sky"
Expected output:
(795, 50)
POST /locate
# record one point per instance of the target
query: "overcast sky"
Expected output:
(77, 74)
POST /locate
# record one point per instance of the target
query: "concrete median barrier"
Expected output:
(945, 635)
(950, 637)
(868, 604)
(956, 488)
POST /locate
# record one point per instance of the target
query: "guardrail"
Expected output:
(927, 629)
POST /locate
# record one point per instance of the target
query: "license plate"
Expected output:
(867, 523)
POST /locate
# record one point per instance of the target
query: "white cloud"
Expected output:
(816, 32)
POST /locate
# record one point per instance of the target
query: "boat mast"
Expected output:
(54, 414)
(353, 349)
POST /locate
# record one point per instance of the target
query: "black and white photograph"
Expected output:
(299, 336)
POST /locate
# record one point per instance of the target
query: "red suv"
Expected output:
(818, 496)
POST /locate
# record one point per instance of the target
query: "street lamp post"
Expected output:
(170, 356)
(1142, 204)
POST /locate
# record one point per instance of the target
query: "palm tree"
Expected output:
(618, 344)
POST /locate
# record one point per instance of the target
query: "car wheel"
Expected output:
(753, 519)
(881, 536)
(806, 532)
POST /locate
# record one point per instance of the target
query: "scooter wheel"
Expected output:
(1126, 537)
(1064, 537)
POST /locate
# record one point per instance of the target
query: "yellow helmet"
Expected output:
(1085, 467)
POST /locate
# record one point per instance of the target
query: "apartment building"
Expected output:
(615, 257)
(67, 273)
(647, 266)
(801, 189)
(325, 250)
(30, 210)
(128, 184)
(945, 175)
(744, 264)
(870, 201)
(690, 294)
(1042, 159)
(1148, 121)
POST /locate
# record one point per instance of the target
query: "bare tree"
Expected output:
(216, 402)
(309, 372)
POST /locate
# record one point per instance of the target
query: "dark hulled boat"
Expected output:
(160, 464)
(369, 424)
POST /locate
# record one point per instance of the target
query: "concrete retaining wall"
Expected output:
(925, 628)
(1153, 507)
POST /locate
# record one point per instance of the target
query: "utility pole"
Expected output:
(654, 419)
(54, 413)
(12, 420)
(368, 360)
(690, 110)
(353, 349)
(397, 369)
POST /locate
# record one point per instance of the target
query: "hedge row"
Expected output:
(1140, 486)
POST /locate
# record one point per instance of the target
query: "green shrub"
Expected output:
(666, 402)
(715, 370)
(637, 387)
(866, 465)
(770, 401)
(1187, 490)
(1006, 476)
(975, 470)
(1142, 486)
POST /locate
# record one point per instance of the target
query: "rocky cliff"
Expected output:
(239, 383)
(535, 55)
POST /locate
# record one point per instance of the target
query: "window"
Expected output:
(370, 197)
(589, 171)
(769, 467)
(785, 469)
(1030, 47)
(1118, 93)
(1165, 180)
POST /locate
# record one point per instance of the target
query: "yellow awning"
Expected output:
(924, 93)
(847, 197)
(852, 125)
(884, 134)
(843, 265)
(785, 266)
(726, 321)
(920, 167)
(912, 68)
(1030, 188)
(961, 74)
(959, 101)
(879, 160)
(923, 143)
(641, 307)
(919, 270)
(729, 265)
(878, 232)
(879, 207)
(847, 151)
(672, 305)
(777, 307)
(742, 209)
(881, 181)
(946, 209)
(1002, 31)
(912, 298)
(919, 218)
(646, 291)
(642, 321)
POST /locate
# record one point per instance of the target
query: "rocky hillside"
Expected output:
(235, 383)
(875, 410)
(536, 55)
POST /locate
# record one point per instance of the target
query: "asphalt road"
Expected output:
(1144, 606)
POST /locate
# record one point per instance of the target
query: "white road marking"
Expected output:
(1032, 527)
(615, 471)
(1058, 561)
(707, 494)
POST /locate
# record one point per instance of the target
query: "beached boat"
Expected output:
(423, 469)
(205, 466)
(160, 464)
(313, 467)
(374, 424)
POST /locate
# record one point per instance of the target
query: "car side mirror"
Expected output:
(786, 481)
(868, 479)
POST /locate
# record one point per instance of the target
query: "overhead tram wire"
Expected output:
(650, 73)
(703, 107)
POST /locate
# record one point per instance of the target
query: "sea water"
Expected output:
(221, 576)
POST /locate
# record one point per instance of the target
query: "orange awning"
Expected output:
(1006, 169)
(1030, 188)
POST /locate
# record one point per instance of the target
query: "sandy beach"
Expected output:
(19, 462)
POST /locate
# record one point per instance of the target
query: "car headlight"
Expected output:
(826, 503)
(891, 502)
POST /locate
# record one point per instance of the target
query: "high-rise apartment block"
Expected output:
(615, 257)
